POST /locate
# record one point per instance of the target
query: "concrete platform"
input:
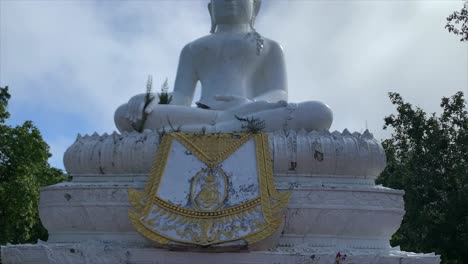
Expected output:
(110, 253)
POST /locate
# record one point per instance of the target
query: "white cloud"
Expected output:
(86, 57)
(350, 54)
(70, 57)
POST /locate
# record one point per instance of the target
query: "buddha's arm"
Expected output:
(273, 81)
(186, 79)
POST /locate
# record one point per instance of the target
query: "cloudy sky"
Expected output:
(70, 64)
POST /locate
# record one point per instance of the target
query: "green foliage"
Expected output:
(164, 96)
(428, 158)
(251, 124)
(148, 99)
(4, 97)
(23, 170)
(457, 23)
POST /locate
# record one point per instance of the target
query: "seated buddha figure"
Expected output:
(242, 74)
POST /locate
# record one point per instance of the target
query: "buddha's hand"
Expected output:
(136, 105)
(232, 101)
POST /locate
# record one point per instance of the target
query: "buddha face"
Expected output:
(232, 11)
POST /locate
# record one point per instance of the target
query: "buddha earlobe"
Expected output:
(213, 22)
(257, 4)
(252, 22)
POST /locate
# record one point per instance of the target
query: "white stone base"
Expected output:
(109, 253)
(319, 214)
(334, 205)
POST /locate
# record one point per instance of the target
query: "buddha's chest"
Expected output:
(227, 56)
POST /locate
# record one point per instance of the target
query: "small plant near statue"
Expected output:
(251, 124)
(164, 98)
(148, 98)
(340, 259)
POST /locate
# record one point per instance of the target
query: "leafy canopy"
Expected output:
(457, 23)
(23, 170)
(428, 158)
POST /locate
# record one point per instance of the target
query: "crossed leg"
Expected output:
(310, 116)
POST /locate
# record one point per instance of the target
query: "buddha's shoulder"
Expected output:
(209, 41)
(202, 42)
(272, 46)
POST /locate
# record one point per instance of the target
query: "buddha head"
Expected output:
(233, 12)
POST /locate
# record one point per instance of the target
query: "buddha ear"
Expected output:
(257, 5)
(213, 22)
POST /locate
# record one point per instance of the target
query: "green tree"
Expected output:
(457, 22)
(23, 170)
(428, 158)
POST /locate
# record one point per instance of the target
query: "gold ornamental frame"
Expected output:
(211, 149)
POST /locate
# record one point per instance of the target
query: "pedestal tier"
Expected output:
(355, 156)
(108, 253)
(318, 215)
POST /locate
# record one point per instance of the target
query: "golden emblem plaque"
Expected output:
(207, 189)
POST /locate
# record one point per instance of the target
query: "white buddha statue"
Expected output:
(242, 74)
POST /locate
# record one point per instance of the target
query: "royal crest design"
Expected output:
(209, 189)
